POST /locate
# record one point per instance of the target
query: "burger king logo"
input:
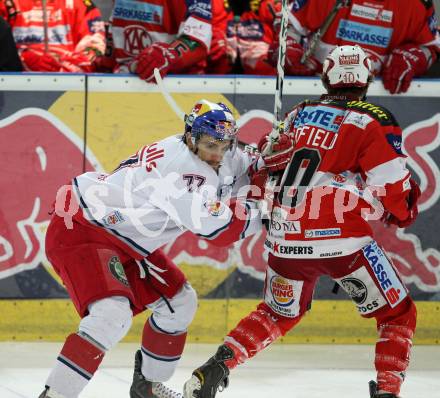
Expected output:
(282, 291)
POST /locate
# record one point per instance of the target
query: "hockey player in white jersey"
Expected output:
(106, 246)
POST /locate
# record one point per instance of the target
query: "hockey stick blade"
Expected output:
(167, 96)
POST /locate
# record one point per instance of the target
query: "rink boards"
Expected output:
(54, 127)
(329, 322)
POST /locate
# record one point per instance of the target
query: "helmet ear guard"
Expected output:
(347, 66)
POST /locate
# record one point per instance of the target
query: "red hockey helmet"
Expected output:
(347, 66)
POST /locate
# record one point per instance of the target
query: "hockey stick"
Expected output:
(323, 29)
(276, 126)
(167, 96)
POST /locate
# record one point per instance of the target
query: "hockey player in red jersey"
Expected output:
(56, 35)
(334, 154)
(223, 52)
(173, 36)
(255, 33)
(402, 42)
(105, 236)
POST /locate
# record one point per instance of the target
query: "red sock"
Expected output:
(255, 332)
(159, 344)
(81, 355)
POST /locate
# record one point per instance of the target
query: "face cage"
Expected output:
(228, 132)
(232, 146)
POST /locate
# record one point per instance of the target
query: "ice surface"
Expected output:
(287, 371)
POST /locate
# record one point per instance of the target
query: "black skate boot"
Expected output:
(47, 393)
(374, 394)
(211, 377)
(143, 388)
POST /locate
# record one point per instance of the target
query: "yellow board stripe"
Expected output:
(329, 322)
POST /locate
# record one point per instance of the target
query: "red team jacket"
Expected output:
(341, 147)
(138, 24)
(74, 26)
(255, 33)
(377, 26)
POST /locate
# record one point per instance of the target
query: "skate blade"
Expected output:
(192, 387)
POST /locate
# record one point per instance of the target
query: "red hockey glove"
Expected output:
(294, 52)
(104, 64)
(258, 184)
(281, 152)
(178, 56)
(293, 65)
(219, 60)
(77, 62)
(402, 65)
(218, 45)
(158, 55)
(39, 61)
(413, 210)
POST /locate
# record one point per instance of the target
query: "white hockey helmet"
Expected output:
(347, 66)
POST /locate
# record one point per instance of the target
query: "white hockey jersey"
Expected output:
(164, 190)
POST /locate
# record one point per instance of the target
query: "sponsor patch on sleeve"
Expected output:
(396, 142)
(360, 120)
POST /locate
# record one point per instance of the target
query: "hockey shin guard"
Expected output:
(76, 364)
(161, 351)
(396, 329)
(255, 332)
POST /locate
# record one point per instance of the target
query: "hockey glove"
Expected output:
(174, 57)
(39, 61)
(158, 55)
(413, 211)
(258, 184)
(262, 192)
(219, 60)
(293, 65)
(402, 66)
(281, 152)
(81, 62)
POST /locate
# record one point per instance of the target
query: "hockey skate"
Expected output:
(374, 394)
(47, 393)
(211, 377)
(143, 388)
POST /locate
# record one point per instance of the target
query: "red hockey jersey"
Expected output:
(348, 159)
(255, 33)
(64, 27)
(377, 26)
(138, 24)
